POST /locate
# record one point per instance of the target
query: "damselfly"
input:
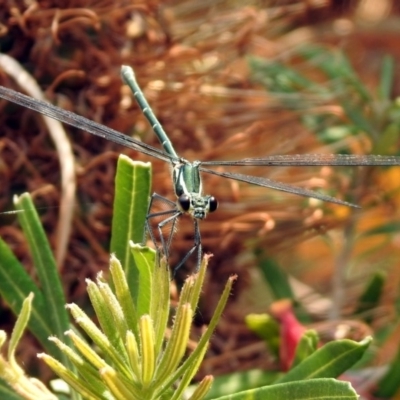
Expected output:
(185, 174)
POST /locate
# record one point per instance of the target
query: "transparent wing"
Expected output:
(269, 183)
(82, 123)
(310, 160)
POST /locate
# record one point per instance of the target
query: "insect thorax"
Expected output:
(186, 178)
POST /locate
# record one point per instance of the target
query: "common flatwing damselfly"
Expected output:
(186, 174)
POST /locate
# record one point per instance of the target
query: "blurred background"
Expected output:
(227, 80)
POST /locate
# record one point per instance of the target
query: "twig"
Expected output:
(64, 150)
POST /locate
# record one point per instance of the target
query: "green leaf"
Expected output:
(357, 115)
(267, 328)
(389, 385)
(318, 389)
(337, 67)
(287, 85)
(160, 307)
(191, 365)
(15, 286)
(237, 382)
(144, 262)
(386, 82)
(371, 296)
(108, 312)
(132, 191)
(387, 140)
(331, 360)
(307, 345)
(383, 229)
(19, 329)
(124, 296)
(276, 278)
(48, 315)
(45, 265)
(8, 393)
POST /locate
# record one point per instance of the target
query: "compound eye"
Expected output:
(213, 204)
(184, 202)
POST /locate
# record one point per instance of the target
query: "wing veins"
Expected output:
(283, 187)
(82, 123)
(311, 160)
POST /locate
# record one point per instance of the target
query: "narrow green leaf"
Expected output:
(88, 353)
(147, 350)
(124, 295)
(160, 308)
(329, 361)
(307, 345)
(45, 264)
(85, 370)
(119, 386)
(132, 191)
(6, 392)
(203, 388)
(387, 76)
(188, 375)
(99, 338)
(371, 296)
(356, 114)
(19, 329)
(337, 67)
(132, 349)
(15, 286)
(176, 345)
(108, 312)
(384, 229)
(267, 328)
(144, 259)
(276, 278)
(192, 363)
(237, 382)
(389, 384)
(68, 376)
(387, 142)
(313, 389)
